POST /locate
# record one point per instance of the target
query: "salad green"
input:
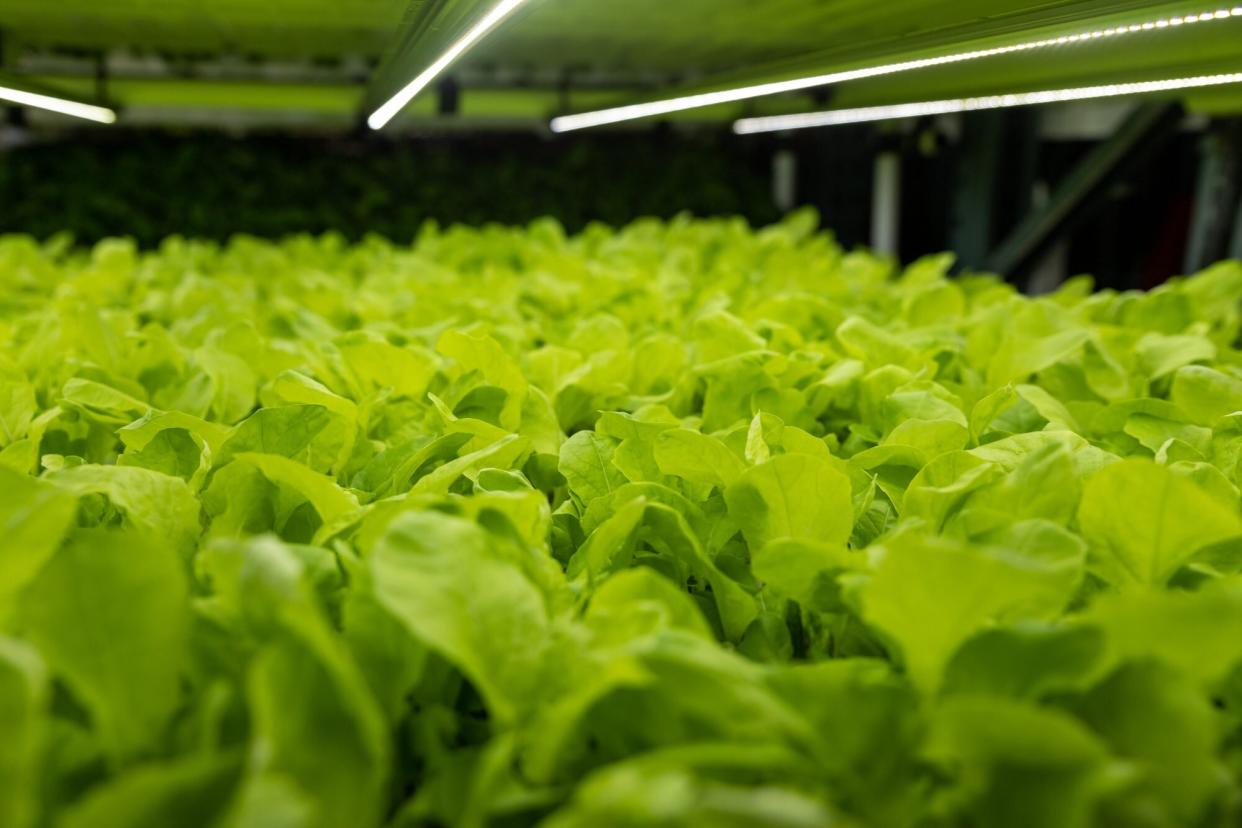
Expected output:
(682, 524)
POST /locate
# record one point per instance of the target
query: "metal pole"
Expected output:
(785, 180)
(1215, 196)
(974, 195)
(1235, 249)
(886, 203)
(1052, 268)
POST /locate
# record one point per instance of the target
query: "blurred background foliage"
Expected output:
(207, 185)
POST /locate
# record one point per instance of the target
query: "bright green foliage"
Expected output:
(678, 525)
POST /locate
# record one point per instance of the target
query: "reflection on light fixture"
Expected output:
(100, 114)
(567, 123)
(397, 102)
(748, 126)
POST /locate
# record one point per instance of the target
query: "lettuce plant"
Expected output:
(681, 524)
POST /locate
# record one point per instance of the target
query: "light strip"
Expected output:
(568, 123)
(99, 114)
(397, 102)
(748, 126)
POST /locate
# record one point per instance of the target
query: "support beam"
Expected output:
(994, 187)
(1142, 128)
(13, 132)
(1216, 196)
(1235, 249)
(101, 77)
(970, 232)
(449, 94)
(886, 203)
(6, 113)
(785, 179)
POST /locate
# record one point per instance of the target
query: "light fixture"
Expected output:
(585, 120)
(397, 102)
(99, 114)
(775, 123)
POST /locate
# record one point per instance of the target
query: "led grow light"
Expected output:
(99, 114)
(397, 102)
(774, 123)
(567, 123)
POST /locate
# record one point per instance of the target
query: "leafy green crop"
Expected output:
(679, 525)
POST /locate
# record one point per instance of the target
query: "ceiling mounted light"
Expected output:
(397, 102)
(99, 114)
(585, 120)
(778, 123)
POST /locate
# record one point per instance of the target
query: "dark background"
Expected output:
(207, 185)
(1132, 230)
